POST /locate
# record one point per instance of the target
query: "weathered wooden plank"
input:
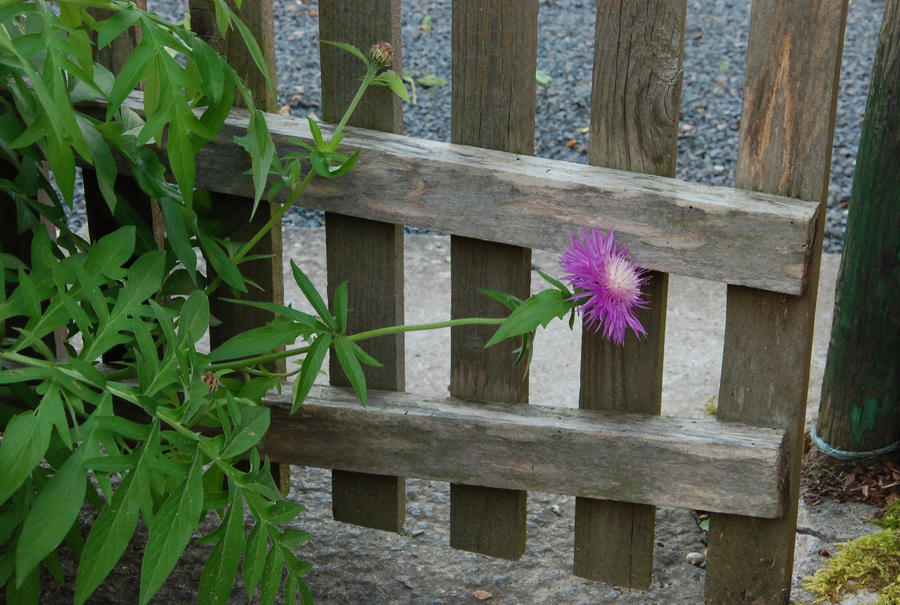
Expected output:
(701, 464)
(234, 208)
(368, 255)
(493, 105)
(634, 126)
(715, 233)
(793, 64)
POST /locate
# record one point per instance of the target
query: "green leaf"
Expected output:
(108, 254)
(542, 78)
(365, 357)
(283, 511)
(171, 530)
(316, 133)
(181, 155)
(54, 511)
(194, 318)
(340, 307)
(280, 331)
(558, 284)
(271, 578)
(25, 441)
(25, 593)
(252, 427)
(130, 74)
(109, 537)
(255, 52)
(390, 79)
(113, 27)
(312, 295)
(221, 263)
(292, 538)
(350, 365)
(350, 49)
(296, 568)
(254, 559)
(222, 565)
(321, 163)
(309, 370)
(52, 407)
(143, 280)
(431, 81)
(289, 312)
(262, 153)
(537, 310)
(178, 236)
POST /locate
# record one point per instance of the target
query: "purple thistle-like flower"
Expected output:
(607, 284)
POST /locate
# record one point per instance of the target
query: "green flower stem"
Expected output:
(437, 325)
(274, 220)
(371, 74)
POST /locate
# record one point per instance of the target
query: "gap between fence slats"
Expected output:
(493, 105)
(368, 255)
(634, 126)
(787, 126)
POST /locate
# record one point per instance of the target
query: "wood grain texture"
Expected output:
(367, 254)
(493, 106)
(714, 233)
(702, 464)
(793, 63)
(634, 126)
(265, 272)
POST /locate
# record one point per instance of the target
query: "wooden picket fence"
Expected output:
(615, 453)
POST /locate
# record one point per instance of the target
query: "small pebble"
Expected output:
(696, 558)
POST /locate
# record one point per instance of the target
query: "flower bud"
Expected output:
(381, 54)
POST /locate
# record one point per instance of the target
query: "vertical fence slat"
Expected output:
(634, 126)
(787, 124)
(257, 15)
(367, 255)
(494, 61)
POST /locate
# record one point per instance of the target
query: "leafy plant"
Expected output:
(160, 434)
(164, 432)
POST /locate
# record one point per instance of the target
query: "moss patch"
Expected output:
(871, 562)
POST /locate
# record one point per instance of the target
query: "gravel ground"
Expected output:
(355, 565)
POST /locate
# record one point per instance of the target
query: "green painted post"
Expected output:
(860, 409)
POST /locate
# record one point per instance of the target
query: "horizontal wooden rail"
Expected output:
(704, 465)
(729, 235)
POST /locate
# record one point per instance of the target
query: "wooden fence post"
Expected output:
(787, 125)
(368, 255)
(639, 79)
(862, 373)
(266, 272)
(493, 74)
